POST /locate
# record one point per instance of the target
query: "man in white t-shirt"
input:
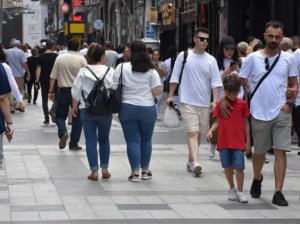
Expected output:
(200, 77)
(270, 109)
(111, 56)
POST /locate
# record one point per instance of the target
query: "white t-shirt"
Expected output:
(200, 75)
(85, 80)
(271, 94)
(297, 59)
(137, 86)
(111, 58)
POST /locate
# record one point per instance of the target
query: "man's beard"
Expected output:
(273, 45)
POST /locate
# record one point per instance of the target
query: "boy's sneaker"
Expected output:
(146, 175)
(196, 168)
(189, 166)
(212, 151)
(134, 177)
(241, 197)
(255, 190)
(278, 199)
(232, 194)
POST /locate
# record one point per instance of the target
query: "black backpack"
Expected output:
(97, 101)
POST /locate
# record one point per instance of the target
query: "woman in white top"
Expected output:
(138, 114)
(96, 128)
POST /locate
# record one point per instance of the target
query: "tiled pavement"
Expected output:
(42, 184)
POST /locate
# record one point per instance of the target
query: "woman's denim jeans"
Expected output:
(96, 128)
(138, 125)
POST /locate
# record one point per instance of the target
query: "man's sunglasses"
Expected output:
(202, 39)
(267, 67)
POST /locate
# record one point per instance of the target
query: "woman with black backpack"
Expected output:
(96, 127)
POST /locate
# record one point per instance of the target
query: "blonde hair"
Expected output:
(243, 49)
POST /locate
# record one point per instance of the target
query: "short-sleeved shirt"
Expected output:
(16, 58)
(297, 59)
(4, 89)
(46, 62)
(137, 86)
(200, 75)
(231, 132)
(271, 94)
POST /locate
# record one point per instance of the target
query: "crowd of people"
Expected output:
(247, 95)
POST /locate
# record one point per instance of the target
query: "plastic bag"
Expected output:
(171, 119)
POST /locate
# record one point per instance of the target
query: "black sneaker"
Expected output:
(255, 190)
(146, 175)
(278, 199)
(46, 122)
(134, 177)
(249, 156)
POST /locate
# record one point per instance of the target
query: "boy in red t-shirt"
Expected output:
(233, 137)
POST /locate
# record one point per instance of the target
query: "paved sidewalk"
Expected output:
(42, 184)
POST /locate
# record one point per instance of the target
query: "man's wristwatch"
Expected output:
(291, 104)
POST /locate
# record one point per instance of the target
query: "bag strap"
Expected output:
(121, 75)
(185, 54)
(264, 77)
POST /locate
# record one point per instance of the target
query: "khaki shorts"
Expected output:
(195, 118)
(272, 134)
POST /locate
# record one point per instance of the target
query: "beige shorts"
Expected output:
(272, 134)
(195, 118)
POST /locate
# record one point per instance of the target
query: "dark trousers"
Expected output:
(296, 122)
(30, 85)
(45, 90)
(64, 100)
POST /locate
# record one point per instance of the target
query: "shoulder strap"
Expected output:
(95, 74)
(120, 78)
(264, 77)
(185, 54)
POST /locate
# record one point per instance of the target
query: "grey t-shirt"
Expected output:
(111, 58)
(16, 58)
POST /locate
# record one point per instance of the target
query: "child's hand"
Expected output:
(248, 148)
(209, 136)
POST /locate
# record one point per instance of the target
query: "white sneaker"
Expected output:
(232, 194)
(189, 166)
(212, 151)
(241, 197)
(196, 168)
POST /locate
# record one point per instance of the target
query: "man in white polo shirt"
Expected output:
(200, 78)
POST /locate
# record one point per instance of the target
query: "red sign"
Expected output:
(65, 8)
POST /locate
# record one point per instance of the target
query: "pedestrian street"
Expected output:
(42, 184)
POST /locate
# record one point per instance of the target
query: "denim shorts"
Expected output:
(233, 158)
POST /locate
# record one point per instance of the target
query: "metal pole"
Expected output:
(1, 20)
(57, 20)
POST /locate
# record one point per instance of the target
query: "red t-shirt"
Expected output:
(231, 132)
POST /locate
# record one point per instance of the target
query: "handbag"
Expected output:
(115, 95)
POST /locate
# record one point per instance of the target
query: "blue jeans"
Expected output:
(138, 125)
(64, 100)
(96, 128)
(232, 158)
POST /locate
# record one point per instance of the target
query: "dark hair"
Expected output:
(202, 30)
(226, 41)
(2, 55)
(49, 44)
(73, 45)
(94, 53)
(275, 24)
(250, 39)
(258, 46)
(34, 52)
(108, 45)
(231, 83)
(140, 60)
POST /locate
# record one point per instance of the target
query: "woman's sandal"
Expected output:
(93, 176)
(106, 175)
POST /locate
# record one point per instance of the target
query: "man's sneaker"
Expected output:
(196, 168)
(75, 148)
(146, 175)
(134, 177)
(189, 166)
(278, 199)
(255, 190)
(212, 151)
(232, 194)
(241, 197)
(63, 140)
